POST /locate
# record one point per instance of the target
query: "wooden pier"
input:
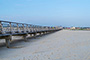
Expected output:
(9, 29)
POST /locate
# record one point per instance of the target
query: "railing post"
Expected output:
(27, 28)
(30, 28)
(18, 28)
(33, 28)
(1, 28)
(25, 38)
(13, 29)
(23, 28)
(7, 42)
(10, 27)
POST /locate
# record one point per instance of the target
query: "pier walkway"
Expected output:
(9, 29)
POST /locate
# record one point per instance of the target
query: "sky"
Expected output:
(47, 12)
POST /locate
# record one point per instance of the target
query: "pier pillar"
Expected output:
(10, 37)
(40, 33)
(44, 32)
(31, 35)
(35, 34)
(25, 38)
(7, 43)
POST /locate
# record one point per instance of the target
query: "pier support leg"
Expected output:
(30, 35)
(44, 32)
(7, 43)
(35, 35)
(25, 38)
(40, 33)
(10, 37)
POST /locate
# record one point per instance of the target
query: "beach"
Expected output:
(60, 45)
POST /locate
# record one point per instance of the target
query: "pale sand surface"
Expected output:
(61, 45)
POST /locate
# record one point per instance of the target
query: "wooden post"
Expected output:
(45, 32)
(27, 28)
(40, 33)
(30, 35)
(23, 27)
(33, 28)
(30, 28)
(25, 38)
(18, 28)
(1, 29)
(10, 37)
(7, 42)
(10, 27)
(35, 34)
(13, 29)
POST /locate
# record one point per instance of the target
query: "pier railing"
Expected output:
(9, 29)
(14, 28)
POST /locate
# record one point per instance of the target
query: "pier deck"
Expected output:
(9, 29)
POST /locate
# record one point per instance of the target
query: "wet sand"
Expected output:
(61, 45)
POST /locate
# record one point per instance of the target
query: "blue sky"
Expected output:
(47, 12)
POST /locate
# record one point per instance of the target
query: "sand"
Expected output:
(61, 45)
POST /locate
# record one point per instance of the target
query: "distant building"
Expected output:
(72, 28)
(78, 28)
